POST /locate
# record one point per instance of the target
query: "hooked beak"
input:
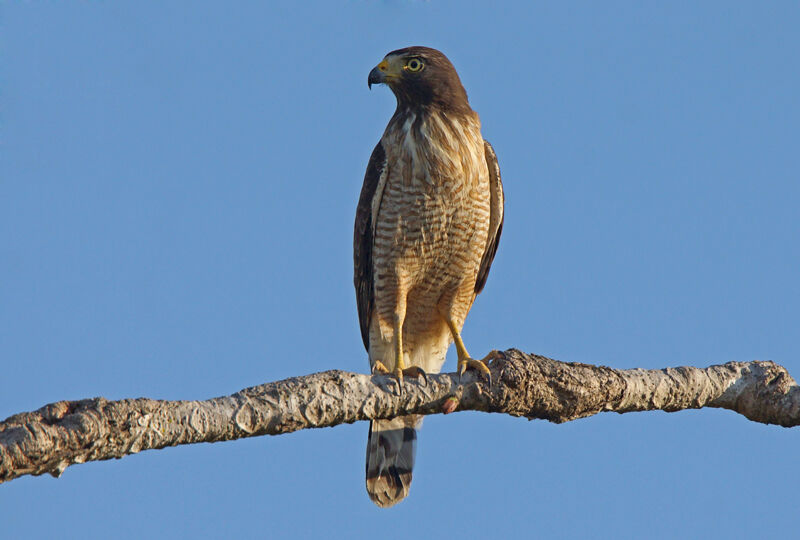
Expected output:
(378, 74)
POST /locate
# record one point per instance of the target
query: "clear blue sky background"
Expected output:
(176, 204)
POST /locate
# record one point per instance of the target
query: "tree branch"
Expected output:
(69, 432)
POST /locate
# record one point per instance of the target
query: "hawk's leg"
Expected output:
(400, 369)
(399, 319)
(465, 361)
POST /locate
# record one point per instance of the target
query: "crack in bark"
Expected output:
(68, 432)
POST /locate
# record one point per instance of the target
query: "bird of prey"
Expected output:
(427, 226)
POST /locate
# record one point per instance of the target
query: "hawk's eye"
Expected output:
(414, 65)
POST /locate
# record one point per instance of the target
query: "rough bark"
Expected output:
(67, 432)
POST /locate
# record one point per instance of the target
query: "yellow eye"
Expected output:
(414, 65)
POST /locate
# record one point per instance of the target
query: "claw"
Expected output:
(477, 365)
(417, 372)
(413, 371)
(378, 367)
(398, 374)
(494, 354)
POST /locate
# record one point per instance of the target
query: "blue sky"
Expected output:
(177, 194)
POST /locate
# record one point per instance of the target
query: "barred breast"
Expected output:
(430, 233)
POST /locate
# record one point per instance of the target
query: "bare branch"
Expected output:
(68, 432)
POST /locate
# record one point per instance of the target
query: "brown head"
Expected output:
(421, 77)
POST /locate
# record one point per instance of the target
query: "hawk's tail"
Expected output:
(391, 448)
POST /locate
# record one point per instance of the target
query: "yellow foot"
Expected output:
(493, 355)
(378, 367)
(478, 365)
(412, 371)
(416, 372)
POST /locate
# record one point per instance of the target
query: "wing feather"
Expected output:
(495, 217)
(371, 192)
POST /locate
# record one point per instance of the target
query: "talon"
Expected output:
(417, 372)
(398, 375)
(378, 367)
(494, 354)
(392, 377)
(477, 365)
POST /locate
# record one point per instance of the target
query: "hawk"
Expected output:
(427, 226)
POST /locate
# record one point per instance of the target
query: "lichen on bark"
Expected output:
(536, 387)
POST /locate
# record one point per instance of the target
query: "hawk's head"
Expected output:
(421, 77)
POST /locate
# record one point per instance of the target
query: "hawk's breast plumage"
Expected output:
(427, 226)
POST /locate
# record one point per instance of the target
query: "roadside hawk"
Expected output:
(427, 226)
